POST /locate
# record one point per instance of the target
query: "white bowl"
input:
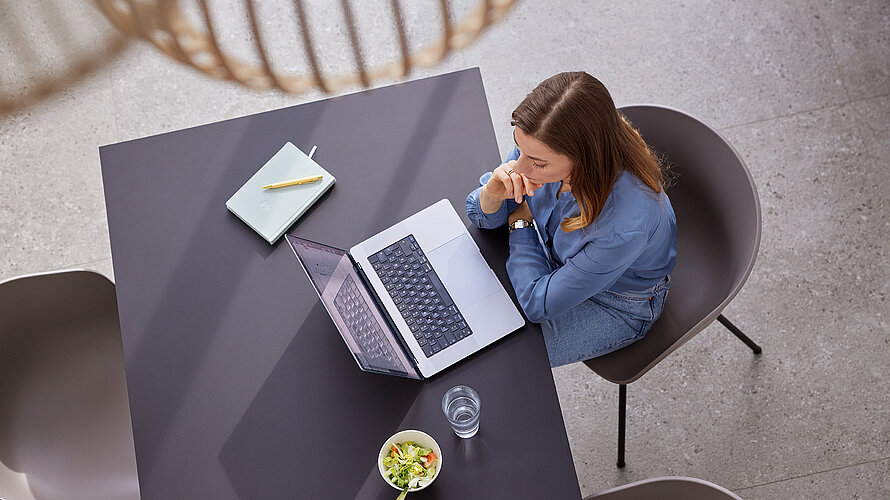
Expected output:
(424, 440)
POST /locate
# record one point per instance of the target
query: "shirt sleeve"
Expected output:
(545, 293)
(474, 210)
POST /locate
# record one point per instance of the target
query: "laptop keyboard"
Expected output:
(367, 332)
(420, 296)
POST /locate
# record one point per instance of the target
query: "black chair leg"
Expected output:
(738, 333)
(622, 415)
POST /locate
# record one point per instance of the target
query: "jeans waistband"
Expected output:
(646, 293)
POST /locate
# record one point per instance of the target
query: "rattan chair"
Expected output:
(718, 228)
(65, 430)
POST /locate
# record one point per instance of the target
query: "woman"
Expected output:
(582, 179)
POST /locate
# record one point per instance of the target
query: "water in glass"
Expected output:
(461, 405)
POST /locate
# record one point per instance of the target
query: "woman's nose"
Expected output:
(522, 164)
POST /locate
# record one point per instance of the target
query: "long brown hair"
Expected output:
(573, 114)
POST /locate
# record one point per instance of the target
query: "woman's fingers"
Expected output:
(513, 182)
(506, 177)
(514, 185)
(518, 186)
(507, 182)
(529, 186)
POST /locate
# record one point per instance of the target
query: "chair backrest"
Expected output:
(718, 231)
(667, 488)
(65, 428)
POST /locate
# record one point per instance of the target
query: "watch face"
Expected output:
(521, 223)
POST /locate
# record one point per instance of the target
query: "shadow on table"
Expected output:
(179, 271)
(429, 122)
(314, 415)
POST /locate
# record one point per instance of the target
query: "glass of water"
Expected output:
(461, 405)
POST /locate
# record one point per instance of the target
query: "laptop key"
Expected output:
(406, 247)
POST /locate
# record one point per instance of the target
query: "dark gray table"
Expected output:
(239, 384)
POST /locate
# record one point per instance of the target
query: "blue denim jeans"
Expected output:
(603, 323)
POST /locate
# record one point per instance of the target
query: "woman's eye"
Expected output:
(537, 166)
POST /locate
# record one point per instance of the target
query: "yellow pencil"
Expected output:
(295, 182)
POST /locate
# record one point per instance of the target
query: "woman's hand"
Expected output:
(505, 184)
(520, 212)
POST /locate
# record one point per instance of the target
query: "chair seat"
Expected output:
(65, 429)
(693, 302)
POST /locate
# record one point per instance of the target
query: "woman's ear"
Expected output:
(568, 179)
(566, 185)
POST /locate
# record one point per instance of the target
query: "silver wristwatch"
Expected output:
(521, 223)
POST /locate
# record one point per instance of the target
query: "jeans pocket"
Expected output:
(647, 324)
(634, 311)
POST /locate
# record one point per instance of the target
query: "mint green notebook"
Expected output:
(270, 212)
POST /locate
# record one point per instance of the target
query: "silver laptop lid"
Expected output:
(353, 310)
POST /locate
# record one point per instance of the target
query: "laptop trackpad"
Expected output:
(463, 271)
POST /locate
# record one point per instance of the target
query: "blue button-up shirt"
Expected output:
(630, 246)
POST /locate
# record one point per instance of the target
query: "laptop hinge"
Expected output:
(389, 322)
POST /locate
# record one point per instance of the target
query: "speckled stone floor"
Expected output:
(801, 89)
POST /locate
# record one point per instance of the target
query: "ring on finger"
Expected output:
(508, 170)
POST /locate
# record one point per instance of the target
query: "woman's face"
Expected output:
(539, 163)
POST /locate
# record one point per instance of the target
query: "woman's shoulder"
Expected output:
(630, 186)
(630, 190)
(634, 206)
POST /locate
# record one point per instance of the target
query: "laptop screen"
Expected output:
(354, 312)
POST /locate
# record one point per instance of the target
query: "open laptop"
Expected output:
(414, 299)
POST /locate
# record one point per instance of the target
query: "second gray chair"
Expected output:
(718, 230)
(65, 429)
(667, 488)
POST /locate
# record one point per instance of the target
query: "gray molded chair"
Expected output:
(718, 230)
(65, 430)
(667, 488)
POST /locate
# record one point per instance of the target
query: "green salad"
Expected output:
(408, 466)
